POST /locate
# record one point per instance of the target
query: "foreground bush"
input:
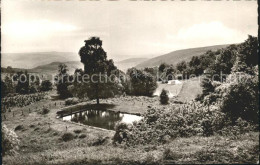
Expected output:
(121, 133)
(241, 99)
(161, 125)
(71, 101)
(10, 141)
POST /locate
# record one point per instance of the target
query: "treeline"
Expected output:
(134, 82)
(237, 58)
(23, 83)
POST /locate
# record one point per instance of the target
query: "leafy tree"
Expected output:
(164, 98)
(208, 58)
(23, 83)
(240, 64)
(46, 85)
(9, 85)
(170, 72)
(249, 49)
(141, 82)
(9, 69)
(207, 86)
(63, 82)
(195, 61)
(95, 62)
(241, 99)
(163, 66)
(181, 66)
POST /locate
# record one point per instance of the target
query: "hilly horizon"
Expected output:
(48, 62)
(34, 59)
(177, 56)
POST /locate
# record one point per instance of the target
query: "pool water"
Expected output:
(102, 118)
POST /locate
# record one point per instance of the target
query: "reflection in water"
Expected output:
(102, 119)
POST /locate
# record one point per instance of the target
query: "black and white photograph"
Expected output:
(129, 82)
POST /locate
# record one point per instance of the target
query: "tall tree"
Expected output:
(95, 63)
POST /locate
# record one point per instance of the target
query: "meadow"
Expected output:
(43, 139)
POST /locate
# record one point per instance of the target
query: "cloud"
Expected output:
(35, 28)
(214, 31)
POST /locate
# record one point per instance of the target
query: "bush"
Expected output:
(207, 127)
(142, 83)
(241, 99)
(164, 98)
(71, 101)
(67, 136)
(241, 126)
(10, 141)
(19, 127)
(45, 111)
(46, 85)
(82, 136)
(159, 124)
(77, 131)
(100, 140)
(121, 134)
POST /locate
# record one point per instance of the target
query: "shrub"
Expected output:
(82, 136)
(45, 111)
(100, 140)
(164, 98)
(46, 85)
(77, 131)
(71, 101)
(207, 127)
(241, 99)
(19, 127)
(67, 136)
(142, 83)
(121, 133)
(159, 124)
(10, 141)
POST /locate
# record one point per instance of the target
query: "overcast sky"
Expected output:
(128, 29)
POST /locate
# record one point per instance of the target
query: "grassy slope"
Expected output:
(41, 142)
(173, 89)
(190, 89)
(177, 56)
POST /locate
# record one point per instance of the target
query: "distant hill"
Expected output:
(31, 60)
(129, 63)
(40, 61)
(52, 68)
(177, 56)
